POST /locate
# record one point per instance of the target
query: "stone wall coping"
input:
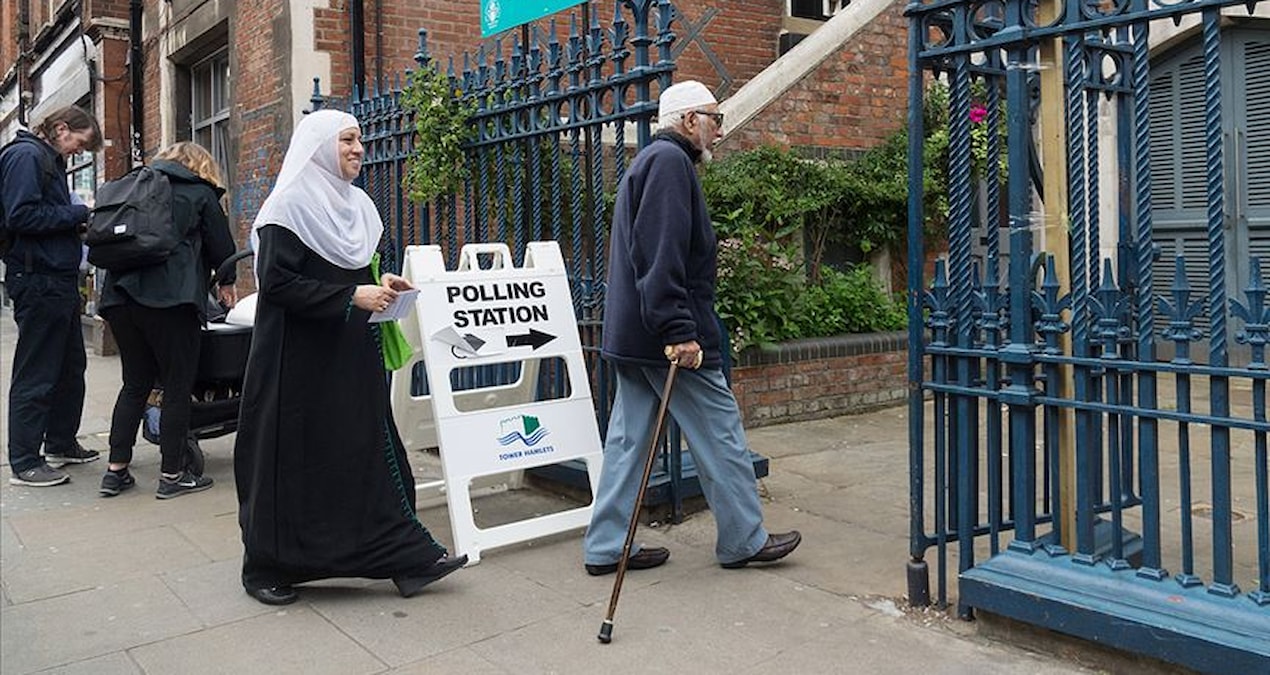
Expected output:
(808, 349)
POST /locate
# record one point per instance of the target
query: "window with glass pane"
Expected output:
(814, 9)
(82, 176)
(209, 105)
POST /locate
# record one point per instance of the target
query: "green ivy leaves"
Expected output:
(437, 164)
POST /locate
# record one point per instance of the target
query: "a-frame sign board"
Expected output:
(472, 317)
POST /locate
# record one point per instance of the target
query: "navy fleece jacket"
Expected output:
(662, 259)
(42, 222)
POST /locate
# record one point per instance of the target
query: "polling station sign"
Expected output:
(500, 15)
(480, 319)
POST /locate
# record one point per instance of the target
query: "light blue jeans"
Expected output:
(707, 414)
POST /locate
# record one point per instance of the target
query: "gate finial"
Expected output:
(421, 54)
(1181, 312)
(1256, 316)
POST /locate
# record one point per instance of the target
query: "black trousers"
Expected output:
(46, 393)
(156, 346)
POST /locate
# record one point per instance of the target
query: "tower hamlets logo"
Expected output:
(523, 428)
(492, 13)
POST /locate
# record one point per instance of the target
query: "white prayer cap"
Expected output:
(686, 95)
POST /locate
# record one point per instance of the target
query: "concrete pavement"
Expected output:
(137, 585)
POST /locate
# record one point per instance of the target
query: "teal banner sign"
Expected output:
(499, 15)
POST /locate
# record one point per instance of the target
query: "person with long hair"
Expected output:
(43, 226)
(156, 315)
(324, 486)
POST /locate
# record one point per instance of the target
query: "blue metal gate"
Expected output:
(1136, 495)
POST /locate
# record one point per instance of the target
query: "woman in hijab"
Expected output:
(324, 487)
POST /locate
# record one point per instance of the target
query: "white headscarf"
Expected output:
(335, 219)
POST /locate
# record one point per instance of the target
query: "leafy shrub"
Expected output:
(776, 212)
(850, 302)
(765, 297)
(778, 196)
(760, 290)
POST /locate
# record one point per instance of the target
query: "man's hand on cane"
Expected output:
(686, 354)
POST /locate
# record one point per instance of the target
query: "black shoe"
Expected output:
(778, 546)
(647, 558)
(115, 482)
(184, 484)
(77, 454)
(274, 595)
(410, 586)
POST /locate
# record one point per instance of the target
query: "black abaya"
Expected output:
(324, 486)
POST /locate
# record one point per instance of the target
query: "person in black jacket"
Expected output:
(156, 314)
(46, 393)
(660, 305)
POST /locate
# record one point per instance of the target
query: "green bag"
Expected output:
(397, 349)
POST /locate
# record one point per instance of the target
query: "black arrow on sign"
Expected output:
(534, 338)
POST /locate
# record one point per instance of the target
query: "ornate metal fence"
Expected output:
(558, 114)
(1163, 484)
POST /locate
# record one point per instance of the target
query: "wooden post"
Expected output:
(1053, 149)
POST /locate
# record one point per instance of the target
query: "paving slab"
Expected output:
(870, 506)
(44, 572)
(73, 627)
(217, 537)
(117, 663)
(292, 640)
(213, 592)
(461, 660)
(705, 621)
(470, 606)
(96, 519)
(880, 645)
(556, 563)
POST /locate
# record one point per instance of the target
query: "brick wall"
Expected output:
(100, 9)
(8, 36)
(724, 45)
(151, 122)
(821, 377)
(852, 101)
(112, 102)
(261, 118)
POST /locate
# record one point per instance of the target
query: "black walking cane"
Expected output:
(606, 628)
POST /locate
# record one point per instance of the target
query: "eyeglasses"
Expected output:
(716, 116)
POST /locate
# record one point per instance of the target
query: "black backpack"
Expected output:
(131, 224)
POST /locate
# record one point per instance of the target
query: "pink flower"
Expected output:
(978, 114)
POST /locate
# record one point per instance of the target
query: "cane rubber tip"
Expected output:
(606, 632)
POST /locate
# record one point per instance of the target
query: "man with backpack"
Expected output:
(42, 228)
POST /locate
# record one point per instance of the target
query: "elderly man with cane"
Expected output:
(660, 307)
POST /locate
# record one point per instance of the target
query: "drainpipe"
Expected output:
(379, 44)
(136, 67)
(24, 49)
(357, 21)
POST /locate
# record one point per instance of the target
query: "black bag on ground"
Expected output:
(131, 224)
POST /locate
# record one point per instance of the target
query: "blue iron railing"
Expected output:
(555, 114)
(1169, 468)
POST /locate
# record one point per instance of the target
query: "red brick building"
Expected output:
(235, 76)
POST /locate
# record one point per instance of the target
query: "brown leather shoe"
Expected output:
(647, 558)
(778, 546)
